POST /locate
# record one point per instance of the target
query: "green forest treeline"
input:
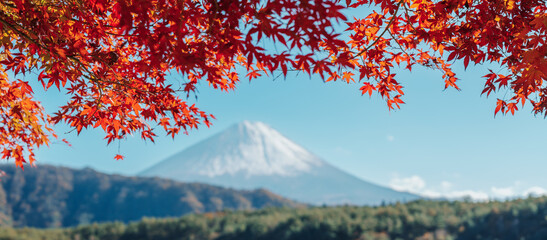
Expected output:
(516, 219)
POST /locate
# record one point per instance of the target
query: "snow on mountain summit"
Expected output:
(251, 148)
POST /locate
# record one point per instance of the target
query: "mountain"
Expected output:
(48, 196)
(252, 155)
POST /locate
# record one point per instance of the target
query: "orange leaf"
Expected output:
(118, 157)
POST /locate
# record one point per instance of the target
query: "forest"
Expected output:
(422, 219)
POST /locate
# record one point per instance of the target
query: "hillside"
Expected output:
(49, 196)
(421, 220)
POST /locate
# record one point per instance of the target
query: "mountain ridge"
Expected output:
(48, 196)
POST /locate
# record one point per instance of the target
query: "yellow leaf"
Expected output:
(510, 4)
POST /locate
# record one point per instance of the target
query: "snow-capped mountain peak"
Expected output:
(251, 148)
(251, 155)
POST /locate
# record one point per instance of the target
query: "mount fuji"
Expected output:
(252, 155)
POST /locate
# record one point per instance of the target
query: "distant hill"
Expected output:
(48, 196)
(252, 155)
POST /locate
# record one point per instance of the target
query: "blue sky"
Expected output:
(440, 143)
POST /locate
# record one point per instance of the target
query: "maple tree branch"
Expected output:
(408, 17)
(94, 77)
(24, 35)
(382, 34)
(401, 47)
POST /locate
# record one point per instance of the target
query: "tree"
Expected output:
(113, 57)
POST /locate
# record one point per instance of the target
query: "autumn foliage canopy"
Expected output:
(114, 57)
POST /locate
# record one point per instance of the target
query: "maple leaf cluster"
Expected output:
(114, 57)
(508, 33)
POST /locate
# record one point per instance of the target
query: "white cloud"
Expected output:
(535, 191)
(517, 191)
(430, 194)
(444, 189)
(413, 184)
(475, 195)
(503, 192)
(390, 138)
